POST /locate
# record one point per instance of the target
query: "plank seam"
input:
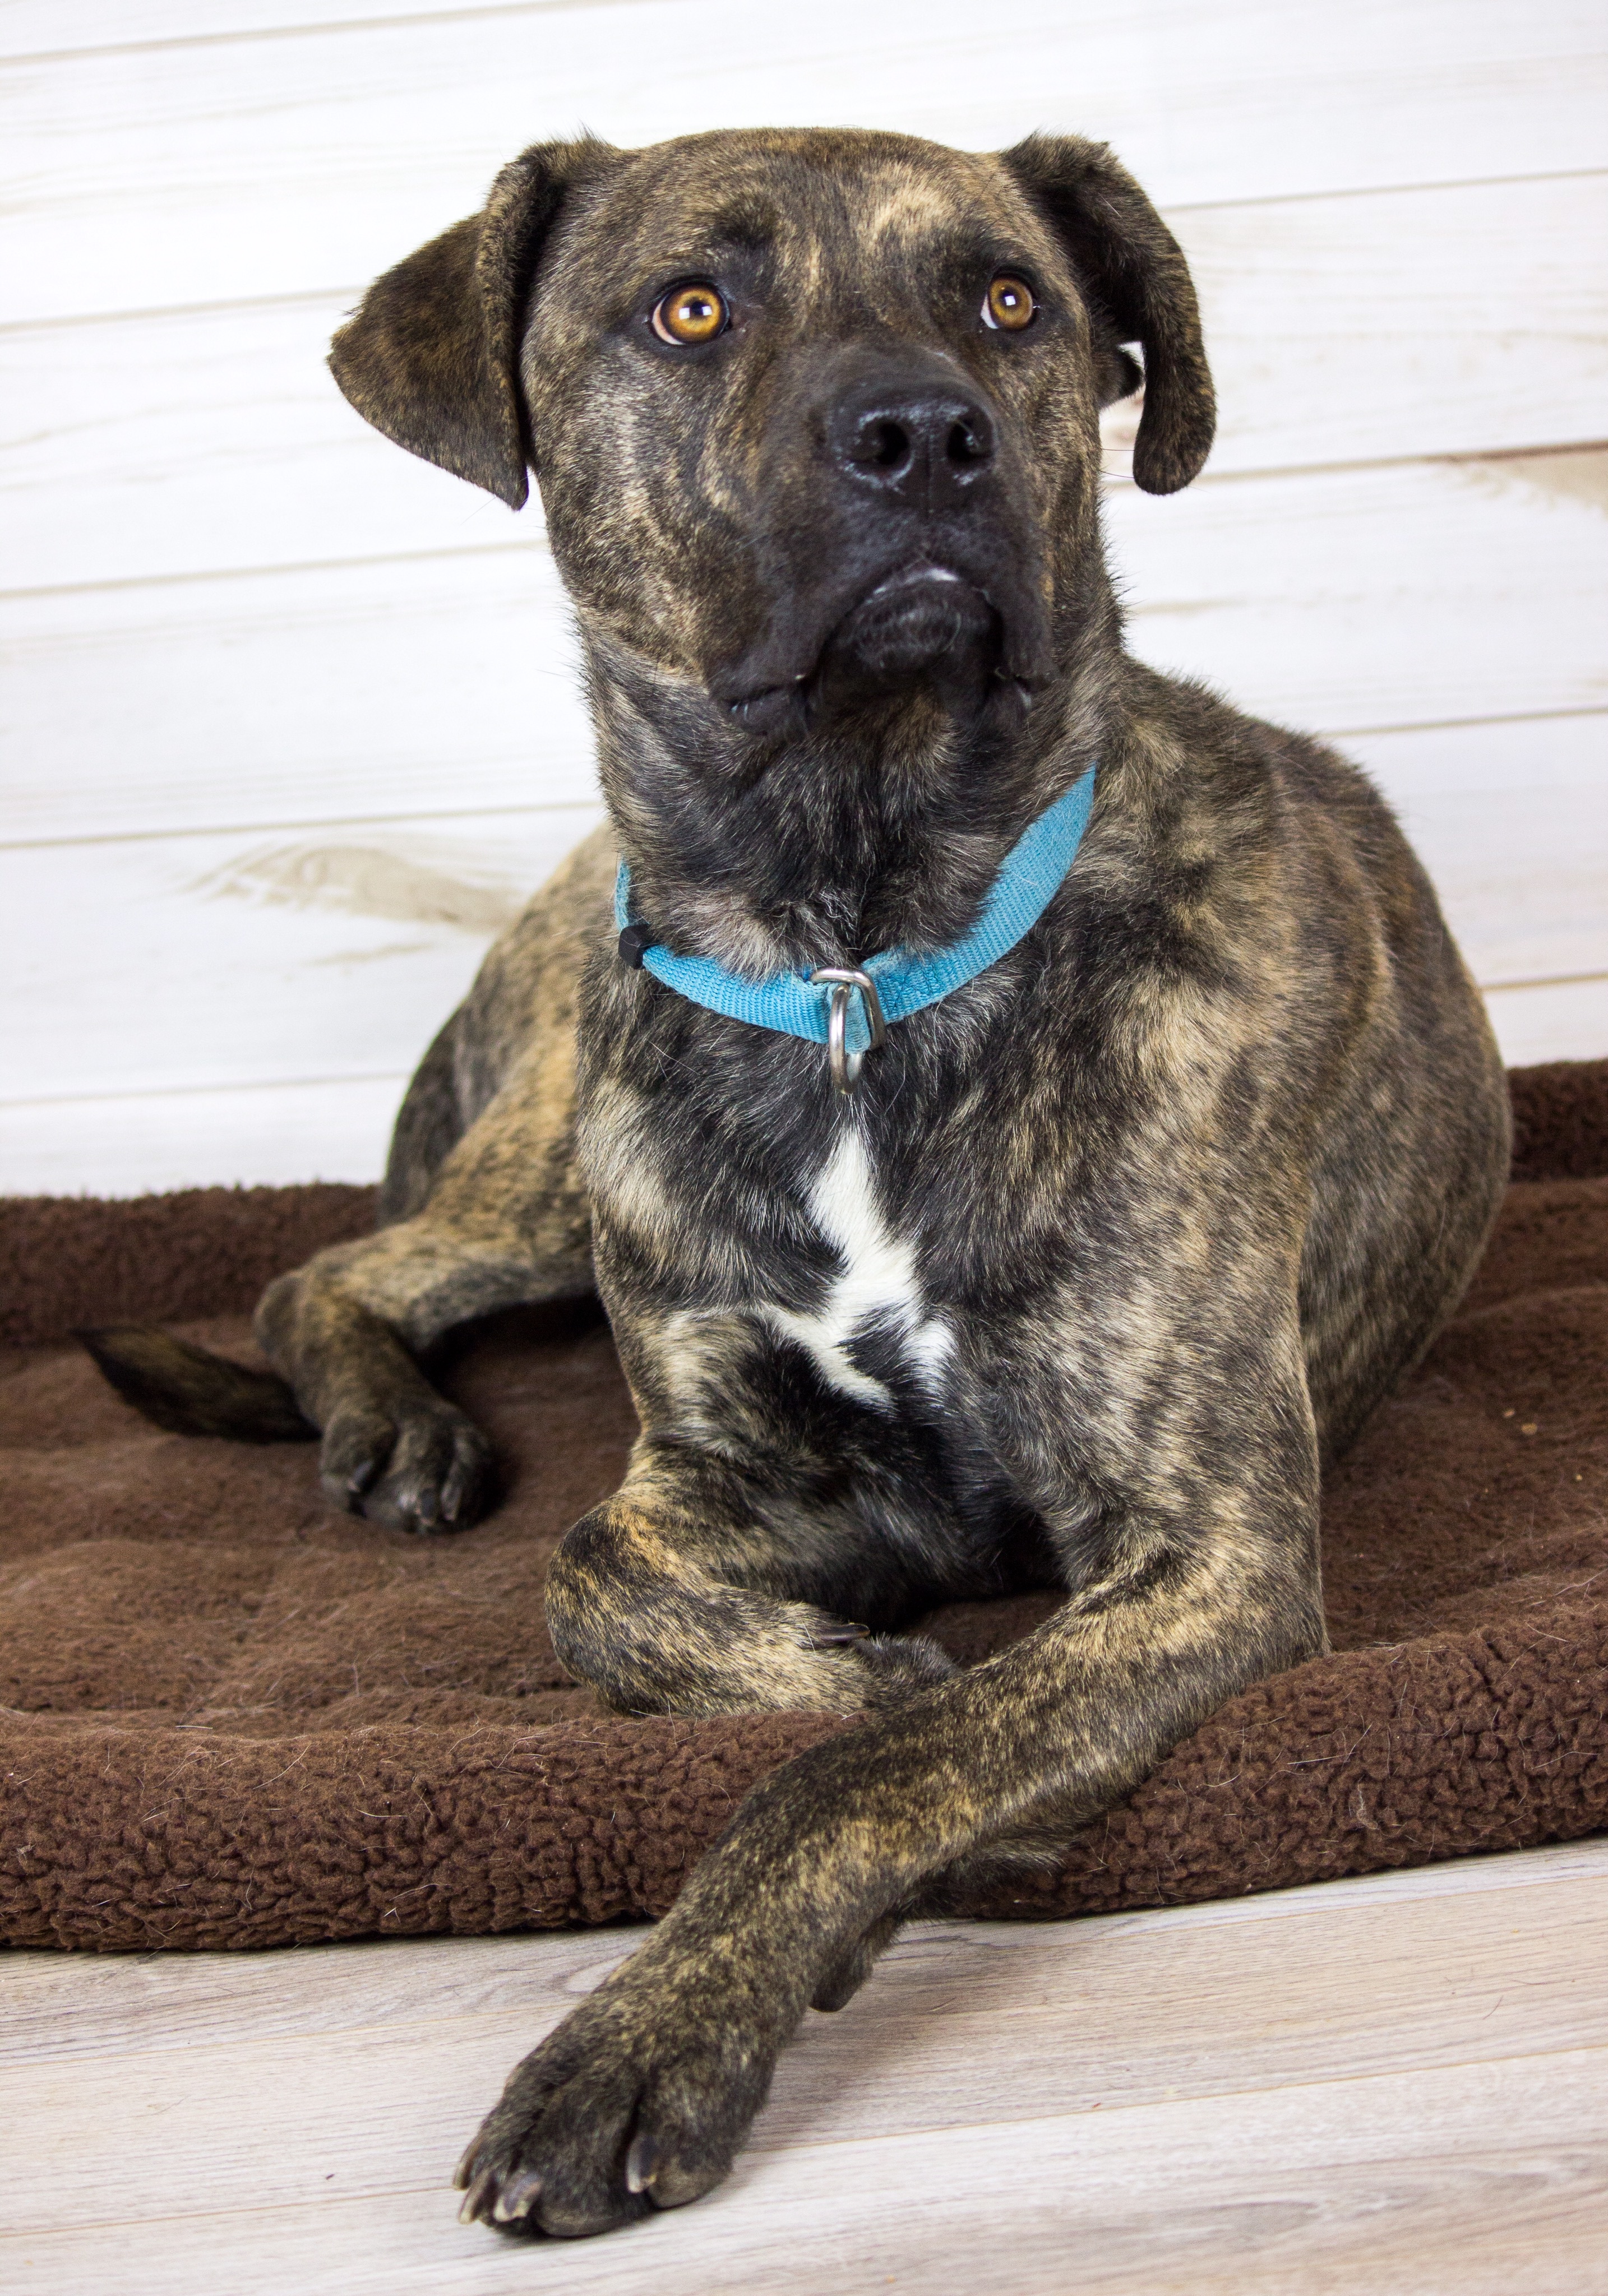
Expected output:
(534, 540)
(322, 827)
(212, 1091)
(1475, 455)
(537, 539)
(1541, 981)
(794, 2148)
(340, 291)
(404, 21)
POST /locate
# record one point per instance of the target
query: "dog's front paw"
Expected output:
(899, 1666)
(423, 1467)
(633, 2102)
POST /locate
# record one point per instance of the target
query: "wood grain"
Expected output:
(253, 1135)
(271, 960)
(1011, 2215)
(35, 27)
(198, 966)
(337, 952)
(275, 1134)
(1340, 329)
(1407, 269)
(1344, 2090)
(955, 2008)
(200, 173)
(442, 685)
(1465, 319)
(1552, 1021)
(1353, 600)
(205, 442)
(1511, 820)
(1339, 601)
(62, 2005)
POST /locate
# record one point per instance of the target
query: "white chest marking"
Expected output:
(877, 1280)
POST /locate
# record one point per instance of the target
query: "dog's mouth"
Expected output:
(919, 617)
(923, 622)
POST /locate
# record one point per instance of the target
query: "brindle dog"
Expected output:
(1108, 1250)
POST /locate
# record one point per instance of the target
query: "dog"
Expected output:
(1071, 1270)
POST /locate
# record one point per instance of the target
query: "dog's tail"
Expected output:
(190, 1391)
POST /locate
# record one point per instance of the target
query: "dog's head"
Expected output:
(815, 415)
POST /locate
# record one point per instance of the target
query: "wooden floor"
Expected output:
(1393, 2084)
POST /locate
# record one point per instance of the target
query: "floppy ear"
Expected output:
(1134, 270)
(430, 355)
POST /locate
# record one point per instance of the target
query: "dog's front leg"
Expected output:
(484, 1209)
(506, 1224)
(677, 1596)
(642, 2095)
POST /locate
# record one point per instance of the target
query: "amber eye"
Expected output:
(1008, 304)
(693, 313)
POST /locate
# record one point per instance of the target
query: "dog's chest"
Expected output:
(873, 1324)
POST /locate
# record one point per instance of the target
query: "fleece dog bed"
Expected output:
(230, 1717)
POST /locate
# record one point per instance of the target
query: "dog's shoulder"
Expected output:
(1270, 819)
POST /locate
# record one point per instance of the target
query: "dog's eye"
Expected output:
(693, 313)
(1009, 304)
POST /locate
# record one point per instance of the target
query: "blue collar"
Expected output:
(1031, 875)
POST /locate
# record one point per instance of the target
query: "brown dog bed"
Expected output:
(232, 1718)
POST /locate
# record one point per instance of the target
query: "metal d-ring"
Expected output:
(842, 980)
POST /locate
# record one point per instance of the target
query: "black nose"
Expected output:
(923, 446)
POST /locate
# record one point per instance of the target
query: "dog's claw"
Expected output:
(642, 2162)
(825, 1638)
(424, 1471)
(475, 2198)
(456, 1489)
(517, 2195)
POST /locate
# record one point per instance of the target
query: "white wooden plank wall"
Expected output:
(289, 720)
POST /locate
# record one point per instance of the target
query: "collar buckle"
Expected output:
(843, 981)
